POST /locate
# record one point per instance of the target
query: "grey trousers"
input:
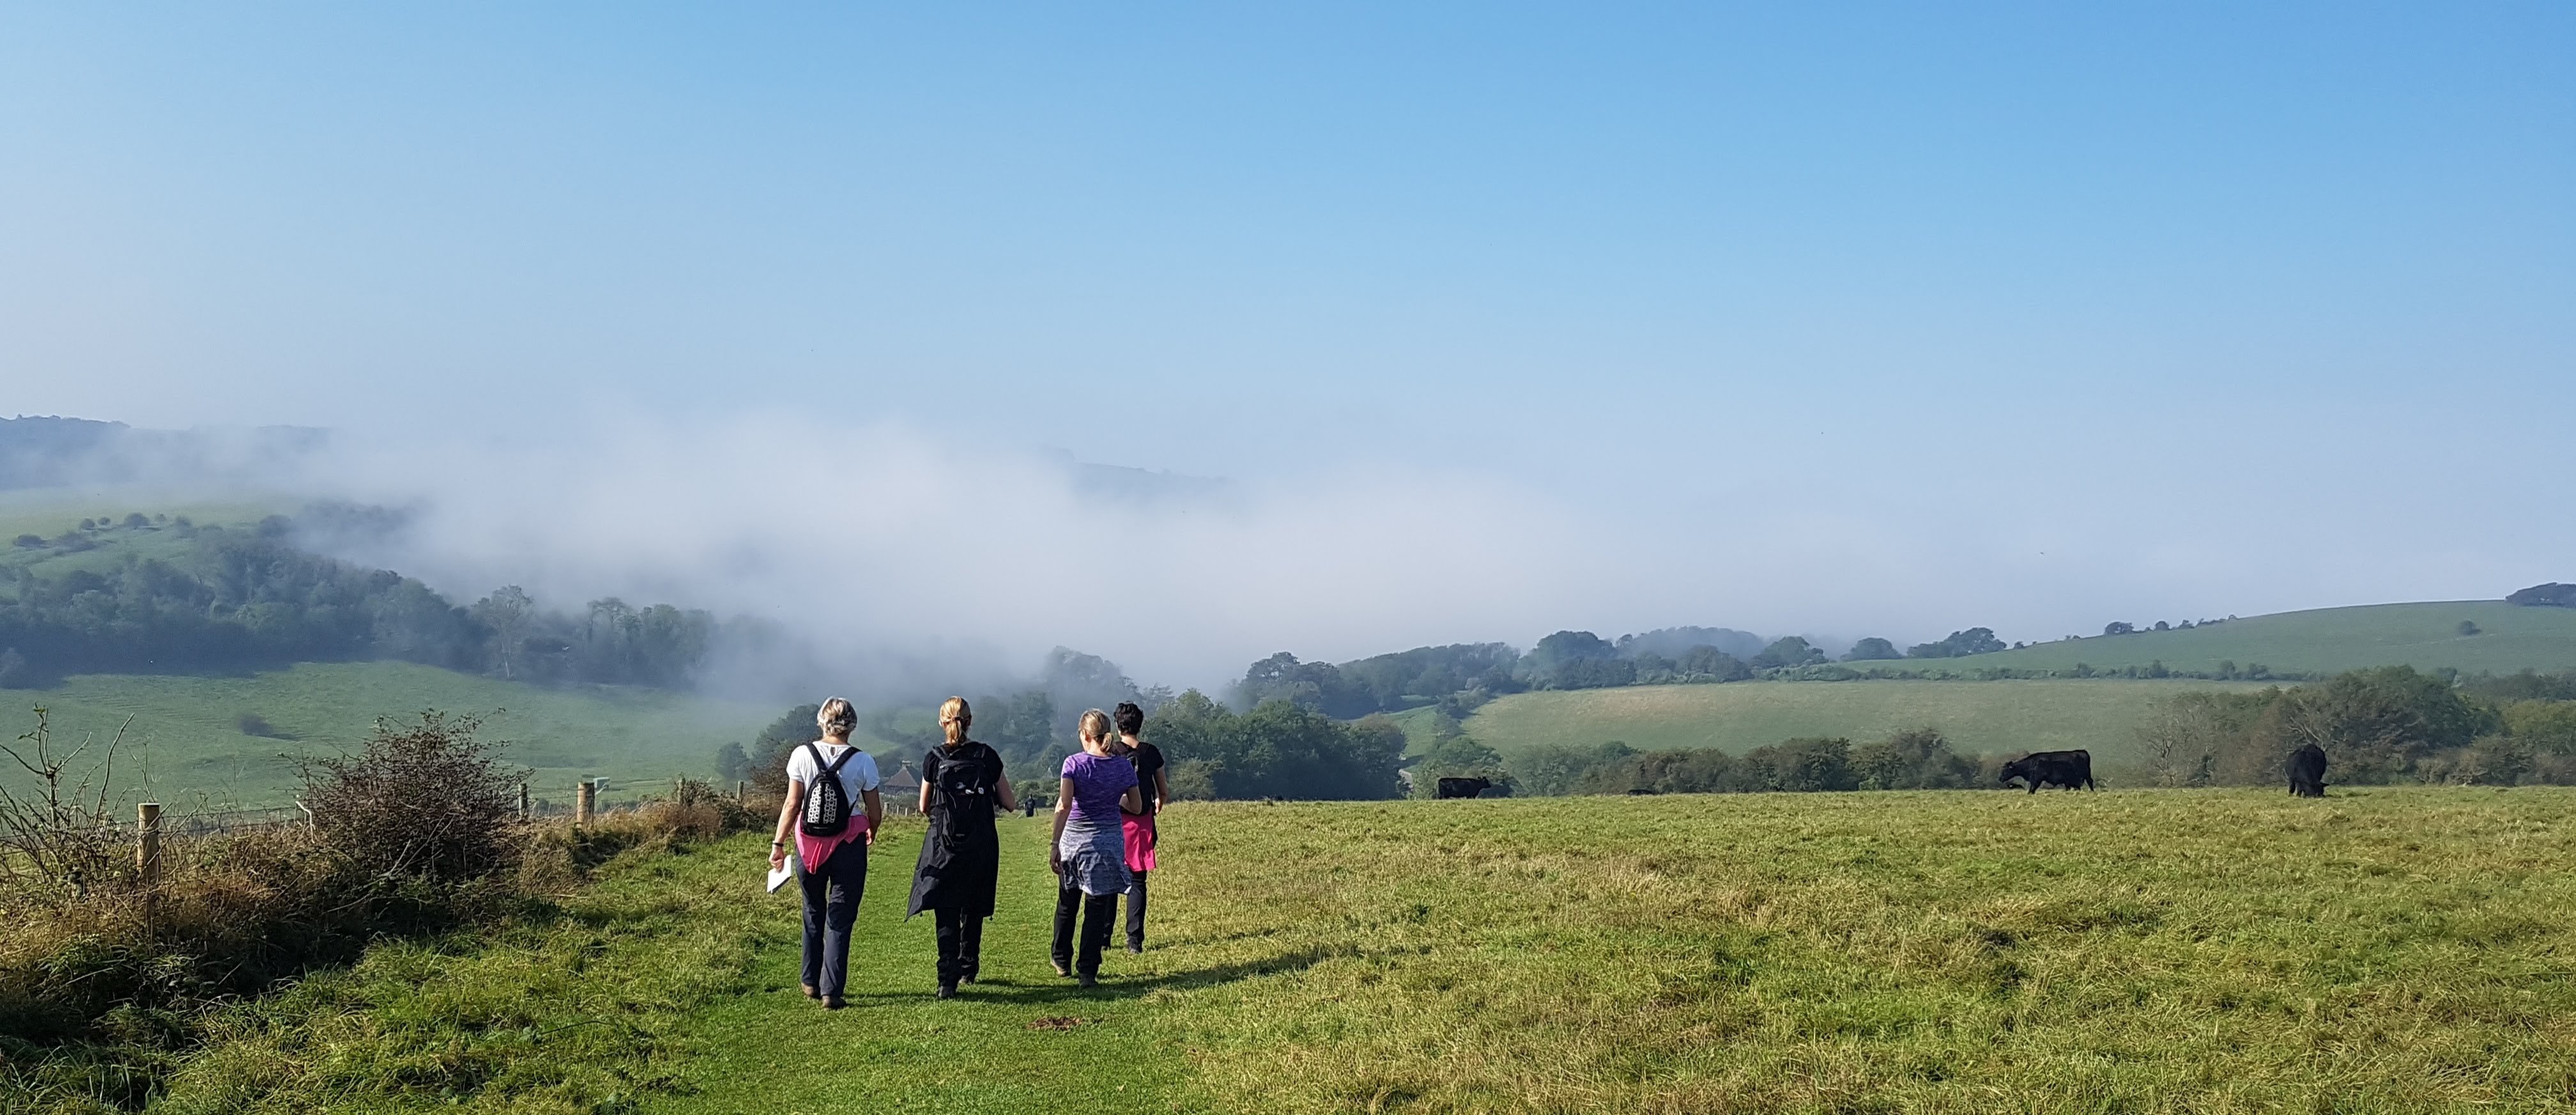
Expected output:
(831, 906)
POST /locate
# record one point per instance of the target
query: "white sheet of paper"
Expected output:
(778, 876)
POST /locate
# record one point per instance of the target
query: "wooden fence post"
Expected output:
(525, 813)
(742, 793)
(585, 798)
(147, 860)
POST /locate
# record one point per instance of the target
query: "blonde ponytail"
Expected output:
(954, 717)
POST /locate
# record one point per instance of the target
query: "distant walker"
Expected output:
(2308, 771)
(2070, 769)
(1463, 787)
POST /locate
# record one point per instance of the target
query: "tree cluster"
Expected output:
(1918, 759)
(1959, 644)
(2551, 595)
(237, 599)
(250, 599)
(2376, 726)
(1277, 750)
(1460, 673)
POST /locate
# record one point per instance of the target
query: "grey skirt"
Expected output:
(1095, 858)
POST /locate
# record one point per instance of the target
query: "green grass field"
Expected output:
(2126, 951)
(2325, 641)
(50, 513)
(1987, 716)
(186, 747)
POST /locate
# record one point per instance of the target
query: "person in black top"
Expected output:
(961, 784)
(1143, 832)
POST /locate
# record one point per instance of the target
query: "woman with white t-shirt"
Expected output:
(831, 864)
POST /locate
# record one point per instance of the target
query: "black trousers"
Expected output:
(961, 943)
(1099, 913)
(831, 905)
(1136, 909)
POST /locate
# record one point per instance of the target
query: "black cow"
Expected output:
(2308, 771)
(2070, 769)
(1463, 787)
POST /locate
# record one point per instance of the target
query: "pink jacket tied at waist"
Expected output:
(815, 851)
(1141, 838)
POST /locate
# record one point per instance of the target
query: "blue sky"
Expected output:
(2243, 277)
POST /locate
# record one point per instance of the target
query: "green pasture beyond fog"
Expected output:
(187, 748)
(2202, 951)
(1984, 716)
(2426, 636)
(50, 514)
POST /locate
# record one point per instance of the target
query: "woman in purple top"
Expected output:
(1089, 855)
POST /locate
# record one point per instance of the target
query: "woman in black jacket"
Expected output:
(962, 783)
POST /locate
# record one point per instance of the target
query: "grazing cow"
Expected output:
(2070, 769)
(1463, 787)
(2308, 771)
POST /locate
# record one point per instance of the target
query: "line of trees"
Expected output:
(1917, 759)
(1277, 750)
(1033, 729)
(1461, 676)
(2377, 726)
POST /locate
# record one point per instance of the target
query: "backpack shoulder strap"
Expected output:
(818, 755)
(847, 750)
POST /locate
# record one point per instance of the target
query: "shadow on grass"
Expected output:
(1113, 987)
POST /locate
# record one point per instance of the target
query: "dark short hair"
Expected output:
(1131, 719)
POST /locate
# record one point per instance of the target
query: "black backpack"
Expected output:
(962, 789)
(827, 801)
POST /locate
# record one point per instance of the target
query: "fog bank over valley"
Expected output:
(890, 559)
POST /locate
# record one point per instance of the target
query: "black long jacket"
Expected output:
(961, 855)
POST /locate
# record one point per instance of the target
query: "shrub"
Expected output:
(1808, 763)
(58, 840)
(732, 765)
(427, 800)
(1712, 664)
(1919, 759)
(1457, 756)
(768, 751)
(2548, 726)
(2492, 761)
(2375, 725)
(1559, 769)
(1193, 779)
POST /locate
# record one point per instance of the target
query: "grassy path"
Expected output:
(1022, 1040)
(2189, 951)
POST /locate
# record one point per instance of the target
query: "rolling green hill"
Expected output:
(2323, 641)
(49, 515)
(1978, 716)
(187, 738)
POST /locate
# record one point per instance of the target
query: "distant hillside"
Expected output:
(46, 452)
(1996, 717)
(189, 735)
(2427, 636)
